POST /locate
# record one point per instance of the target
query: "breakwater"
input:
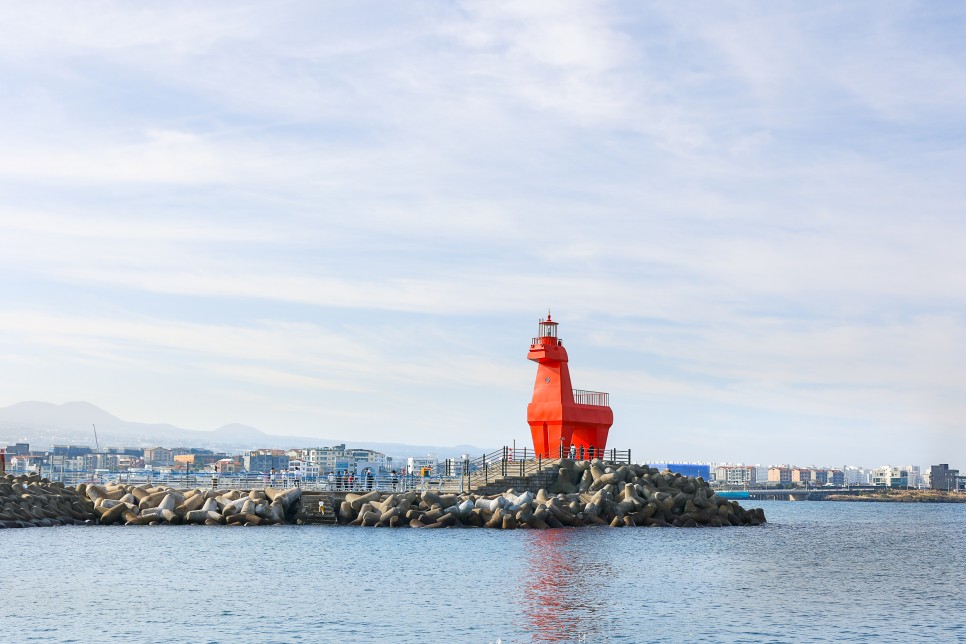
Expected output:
(585, 493)
(132, 505)
(30, 501)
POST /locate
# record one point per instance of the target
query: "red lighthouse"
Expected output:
(560, 416)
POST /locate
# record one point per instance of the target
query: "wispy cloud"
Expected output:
(748, 218)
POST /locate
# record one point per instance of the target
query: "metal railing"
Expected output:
(554, 342)
(250, 481)
(523, 462)
(598, 398)
(463, 475)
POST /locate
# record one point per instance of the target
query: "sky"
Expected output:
(344, 220)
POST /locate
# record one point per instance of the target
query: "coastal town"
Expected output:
(314, 464)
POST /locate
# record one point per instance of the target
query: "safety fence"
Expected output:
(249, 481)
(451, 475)
(598, 398)
(523, 462)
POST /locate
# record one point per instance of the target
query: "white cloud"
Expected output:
(765, 199)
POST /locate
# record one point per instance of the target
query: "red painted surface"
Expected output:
(556, 419)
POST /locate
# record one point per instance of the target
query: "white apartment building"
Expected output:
(855, 475)
(736, 474)
(896, 476)
(761, 472)
(306, 469)
(415, 464)
(338, 458)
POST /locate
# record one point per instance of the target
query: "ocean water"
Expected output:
(845, 572)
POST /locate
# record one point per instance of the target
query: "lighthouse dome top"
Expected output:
(547, 328)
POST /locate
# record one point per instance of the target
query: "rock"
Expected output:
(150, 501)
(586, 494)
(196, 516)
(356, 501)
(114, 514)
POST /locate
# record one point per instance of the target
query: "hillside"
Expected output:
(43, 424)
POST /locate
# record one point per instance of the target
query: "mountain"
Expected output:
(43, 424)
(237, 431)
(56, 415)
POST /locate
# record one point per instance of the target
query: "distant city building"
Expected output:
(76, 464)
(305, 469)
(736, 474)
(266, 460)
(100, 461)
(228, 466)
(326, 459)
(686, 469)
(25, 462)
(18, 448)
(70, 451)
(158, 456)
(416, 464)
(781, 474)
(339, 458)
(801, 475)
(788, 474)
(895, 476)
(363, 458)
(943, 478)
(199, 459)
(124, 451)
(856, 475)
(761, 473)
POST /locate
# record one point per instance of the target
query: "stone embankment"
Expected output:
(585, 493)
(31, 501)
(143, 505)
(902, 496)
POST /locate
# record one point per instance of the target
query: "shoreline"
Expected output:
(900, 496)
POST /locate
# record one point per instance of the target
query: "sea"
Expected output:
(817, 572)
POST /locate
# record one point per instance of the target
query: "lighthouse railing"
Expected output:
(598, 398)
(553, 342)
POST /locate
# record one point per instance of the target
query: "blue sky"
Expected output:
(344, 220)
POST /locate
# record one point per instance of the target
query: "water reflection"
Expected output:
(561, 587)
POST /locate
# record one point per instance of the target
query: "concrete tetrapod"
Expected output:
(157, 505)
(31, 501)
(586, 493)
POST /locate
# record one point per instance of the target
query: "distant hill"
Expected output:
(43, 424)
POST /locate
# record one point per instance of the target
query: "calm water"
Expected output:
(817, 572)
